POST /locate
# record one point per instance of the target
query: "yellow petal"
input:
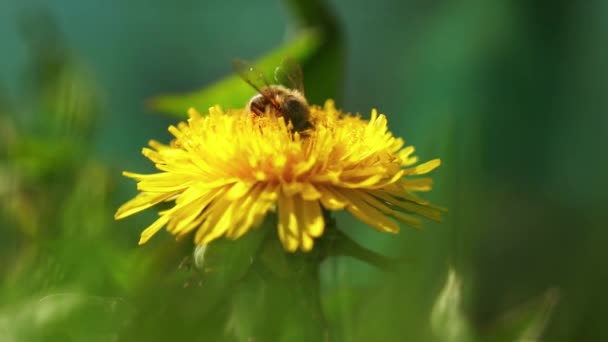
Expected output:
(314, 222)
(426, 167)
(242, 213)
(418, 184)
(371, 216)
(289, 242)
(287, 225)
(332, 200)
(220, 225)
(141, 202)
(287, 215)
(153, 229)
(306, 243)
(210, 229)
(431, 212)
(238, 190)
(310, 192)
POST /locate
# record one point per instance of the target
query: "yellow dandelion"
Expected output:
(226, 171)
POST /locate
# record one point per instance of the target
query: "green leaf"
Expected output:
(232, 91)
(448, 320)
(66, 316)
(526, 322)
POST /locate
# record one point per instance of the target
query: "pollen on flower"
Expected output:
(225, 172)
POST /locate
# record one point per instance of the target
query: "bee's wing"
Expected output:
(289, 74)
(250, 74)
(254, 78)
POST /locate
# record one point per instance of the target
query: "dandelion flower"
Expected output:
(226, 171)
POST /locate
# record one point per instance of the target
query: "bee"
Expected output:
(285, 99)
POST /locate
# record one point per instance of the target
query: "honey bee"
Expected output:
(285, 99)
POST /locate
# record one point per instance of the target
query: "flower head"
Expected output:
(226, 171)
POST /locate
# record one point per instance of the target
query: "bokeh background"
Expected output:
(511, 95)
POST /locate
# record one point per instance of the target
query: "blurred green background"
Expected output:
(511, 95)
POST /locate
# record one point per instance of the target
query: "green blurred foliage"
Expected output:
(510, 95)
